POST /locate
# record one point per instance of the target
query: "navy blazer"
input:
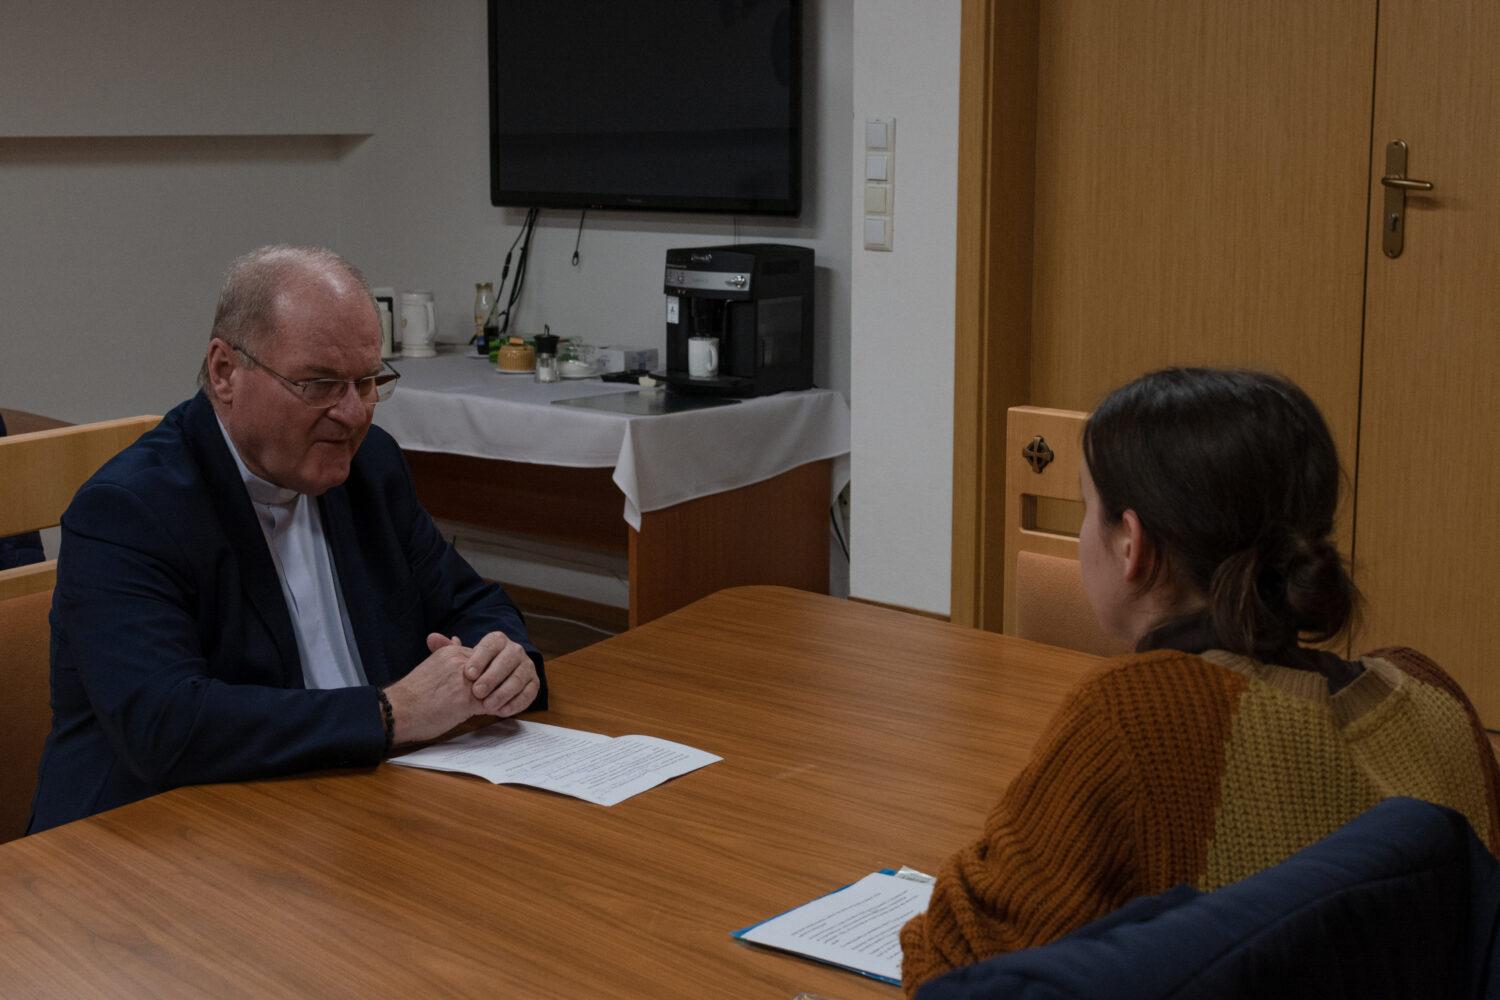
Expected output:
(173, 656)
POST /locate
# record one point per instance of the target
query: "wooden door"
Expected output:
(1201, 193)
(1200, 196)
(1427, 535)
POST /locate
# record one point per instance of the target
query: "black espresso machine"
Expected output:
(756, 301)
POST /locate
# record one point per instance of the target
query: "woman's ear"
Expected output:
(1137, 553)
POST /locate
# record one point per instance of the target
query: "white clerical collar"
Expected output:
(260, 490)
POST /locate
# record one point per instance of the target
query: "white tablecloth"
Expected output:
(460, 405)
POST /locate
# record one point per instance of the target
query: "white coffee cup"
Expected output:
(703, 357)
(418, 325)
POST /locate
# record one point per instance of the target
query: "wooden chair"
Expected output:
(1044, 595)
(40, 472)
(22, 422)
(26, 710)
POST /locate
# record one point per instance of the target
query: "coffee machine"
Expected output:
(754, 303)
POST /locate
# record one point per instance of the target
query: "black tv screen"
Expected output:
(674, 105)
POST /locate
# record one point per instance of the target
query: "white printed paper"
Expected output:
(588, 766)
(858, 927)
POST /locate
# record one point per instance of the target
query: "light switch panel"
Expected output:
(880, 181)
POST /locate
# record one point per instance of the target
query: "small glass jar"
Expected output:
(546, 368)
(484, 302)
(546, 357)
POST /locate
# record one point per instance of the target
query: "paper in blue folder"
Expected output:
(857, 927)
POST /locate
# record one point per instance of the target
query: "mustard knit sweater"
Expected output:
(1169, 767)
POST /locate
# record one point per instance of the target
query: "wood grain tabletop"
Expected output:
(854, 738)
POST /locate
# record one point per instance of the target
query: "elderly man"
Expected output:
(252, 588)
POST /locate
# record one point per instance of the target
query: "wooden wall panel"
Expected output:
(1200, 194)
(992, 335)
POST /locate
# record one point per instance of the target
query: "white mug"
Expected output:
(703, 357)
(418, 325)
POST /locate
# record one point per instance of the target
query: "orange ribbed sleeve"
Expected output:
(1057, 852)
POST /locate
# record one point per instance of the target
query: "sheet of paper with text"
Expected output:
(589, 766)
(858, 927)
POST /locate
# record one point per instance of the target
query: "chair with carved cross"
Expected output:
(39, 473)
(1044, 596)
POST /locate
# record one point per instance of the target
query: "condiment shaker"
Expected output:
(546, 357)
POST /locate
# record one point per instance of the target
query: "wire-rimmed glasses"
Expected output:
(325, 393)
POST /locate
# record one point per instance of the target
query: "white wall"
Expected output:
(142, 146)
(113, 250)
(137, 157)
(902, 313)
(186, 67)
(424, 176)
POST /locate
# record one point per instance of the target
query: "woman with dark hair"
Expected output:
(1222, 745)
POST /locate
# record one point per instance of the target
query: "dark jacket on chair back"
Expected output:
(1401, 902)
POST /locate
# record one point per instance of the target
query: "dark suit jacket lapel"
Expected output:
(257, 571)
(353, 580)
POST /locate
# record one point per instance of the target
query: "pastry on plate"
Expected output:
(515, 356)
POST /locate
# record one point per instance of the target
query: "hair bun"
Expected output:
(1319, 592)
(1266, 596)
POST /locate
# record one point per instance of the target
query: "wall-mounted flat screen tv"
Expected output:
(670, 105)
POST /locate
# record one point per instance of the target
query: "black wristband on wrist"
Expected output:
(388, 719)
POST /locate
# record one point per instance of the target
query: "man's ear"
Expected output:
(1136, 550)
(220, 365)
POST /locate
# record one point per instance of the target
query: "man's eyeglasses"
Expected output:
(325, 393)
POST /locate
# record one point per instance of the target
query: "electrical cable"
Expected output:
(581, 216)
(571, 621)
(493, 317)
(502, 299)
(528, 229)
(833, 517)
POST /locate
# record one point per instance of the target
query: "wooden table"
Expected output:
(774, 531)
(695, 501)
(853, 737)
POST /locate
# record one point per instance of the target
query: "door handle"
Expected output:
(1396, 184)
(1406, 183)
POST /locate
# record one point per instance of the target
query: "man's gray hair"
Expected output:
(246, 313)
